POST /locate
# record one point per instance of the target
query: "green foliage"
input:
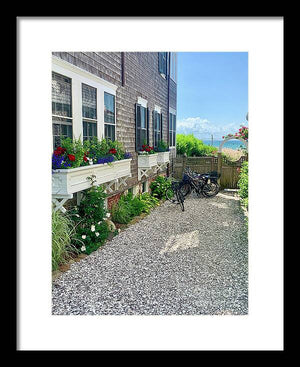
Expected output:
(63, 232)
(160, 186)
(95, 147)
(92, 237)
(74, 147)
(126, 208)
(148, 201)
(193, 147)
(162, 146)
(129, 207)
(92, 205)
(92, 229)
(243, 184)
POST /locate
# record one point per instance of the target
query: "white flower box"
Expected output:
(163, 157)
(69, 181)
(147, 160)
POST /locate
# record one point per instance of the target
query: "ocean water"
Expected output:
(232, 144)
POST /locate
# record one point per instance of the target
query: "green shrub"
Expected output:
(148, 201)
(160, 186)
(120, 212)
(243, 184)
(191, 146)
(63, 232)
(129, 207)
(90, 217)
(92, 237)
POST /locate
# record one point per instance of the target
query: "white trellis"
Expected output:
(221, 147)
(230, 138)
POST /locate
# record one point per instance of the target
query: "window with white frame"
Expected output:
(109, 116)
(162, 62)
(61, 108)
(157, 128)
(141, 126)
(89, 112)
(83, 104)
(173, 66)
(172, 130)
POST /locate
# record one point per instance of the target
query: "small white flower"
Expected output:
(83, 236)
(77, 215)
(100, 222)
(119, 230)
(93, 228)
(108, 215)
(97, 234)
(83, 248)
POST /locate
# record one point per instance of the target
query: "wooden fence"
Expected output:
(229, 171)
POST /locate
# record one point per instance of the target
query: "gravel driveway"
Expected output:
(171, 262)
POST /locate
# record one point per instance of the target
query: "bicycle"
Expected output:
(174, 194)
(205, 183)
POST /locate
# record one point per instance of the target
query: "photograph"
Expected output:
(144, 219)
(149, 183)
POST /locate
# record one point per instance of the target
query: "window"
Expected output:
(172, 130)
(109, 117)
(157, 128)
(142, 126)
(89, 111)
(173, 66)
(162, 63)
(61, 108)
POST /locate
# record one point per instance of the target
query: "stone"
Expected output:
(111, 225)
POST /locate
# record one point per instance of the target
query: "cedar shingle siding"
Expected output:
(142, 79)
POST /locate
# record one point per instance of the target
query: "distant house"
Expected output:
(126, 96)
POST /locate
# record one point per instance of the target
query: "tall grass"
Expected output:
(63, 230)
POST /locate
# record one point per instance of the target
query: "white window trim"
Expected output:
(143, 102)
(157, 109)
(173, 112)
(78, 77)
(173, 66)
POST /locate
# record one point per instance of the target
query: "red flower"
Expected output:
(112, 151)
(59, 151)
(85, 158)
(71, 157)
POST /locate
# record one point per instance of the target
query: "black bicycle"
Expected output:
(205, 183)
(174, 194)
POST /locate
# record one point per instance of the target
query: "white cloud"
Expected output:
(203, 128)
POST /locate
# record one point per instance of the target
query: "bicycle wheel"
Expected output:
(210, 189)
(185, 189)
(180, 199)
(170, 195)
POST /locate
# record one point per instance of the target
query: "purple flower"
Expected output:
(107, 159)
(127, 155)
(60, 162)
(57, 161)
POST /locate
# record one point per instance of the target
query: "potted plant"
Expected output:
(163, 152)
(74, 162)
(147, 157)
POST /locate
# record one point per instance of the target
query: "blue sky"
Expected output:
(212, 93)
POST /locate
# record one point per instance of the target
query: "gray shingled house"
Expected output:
(125, 96)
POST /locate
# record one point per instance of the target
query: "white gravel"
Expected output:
(170, 263)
